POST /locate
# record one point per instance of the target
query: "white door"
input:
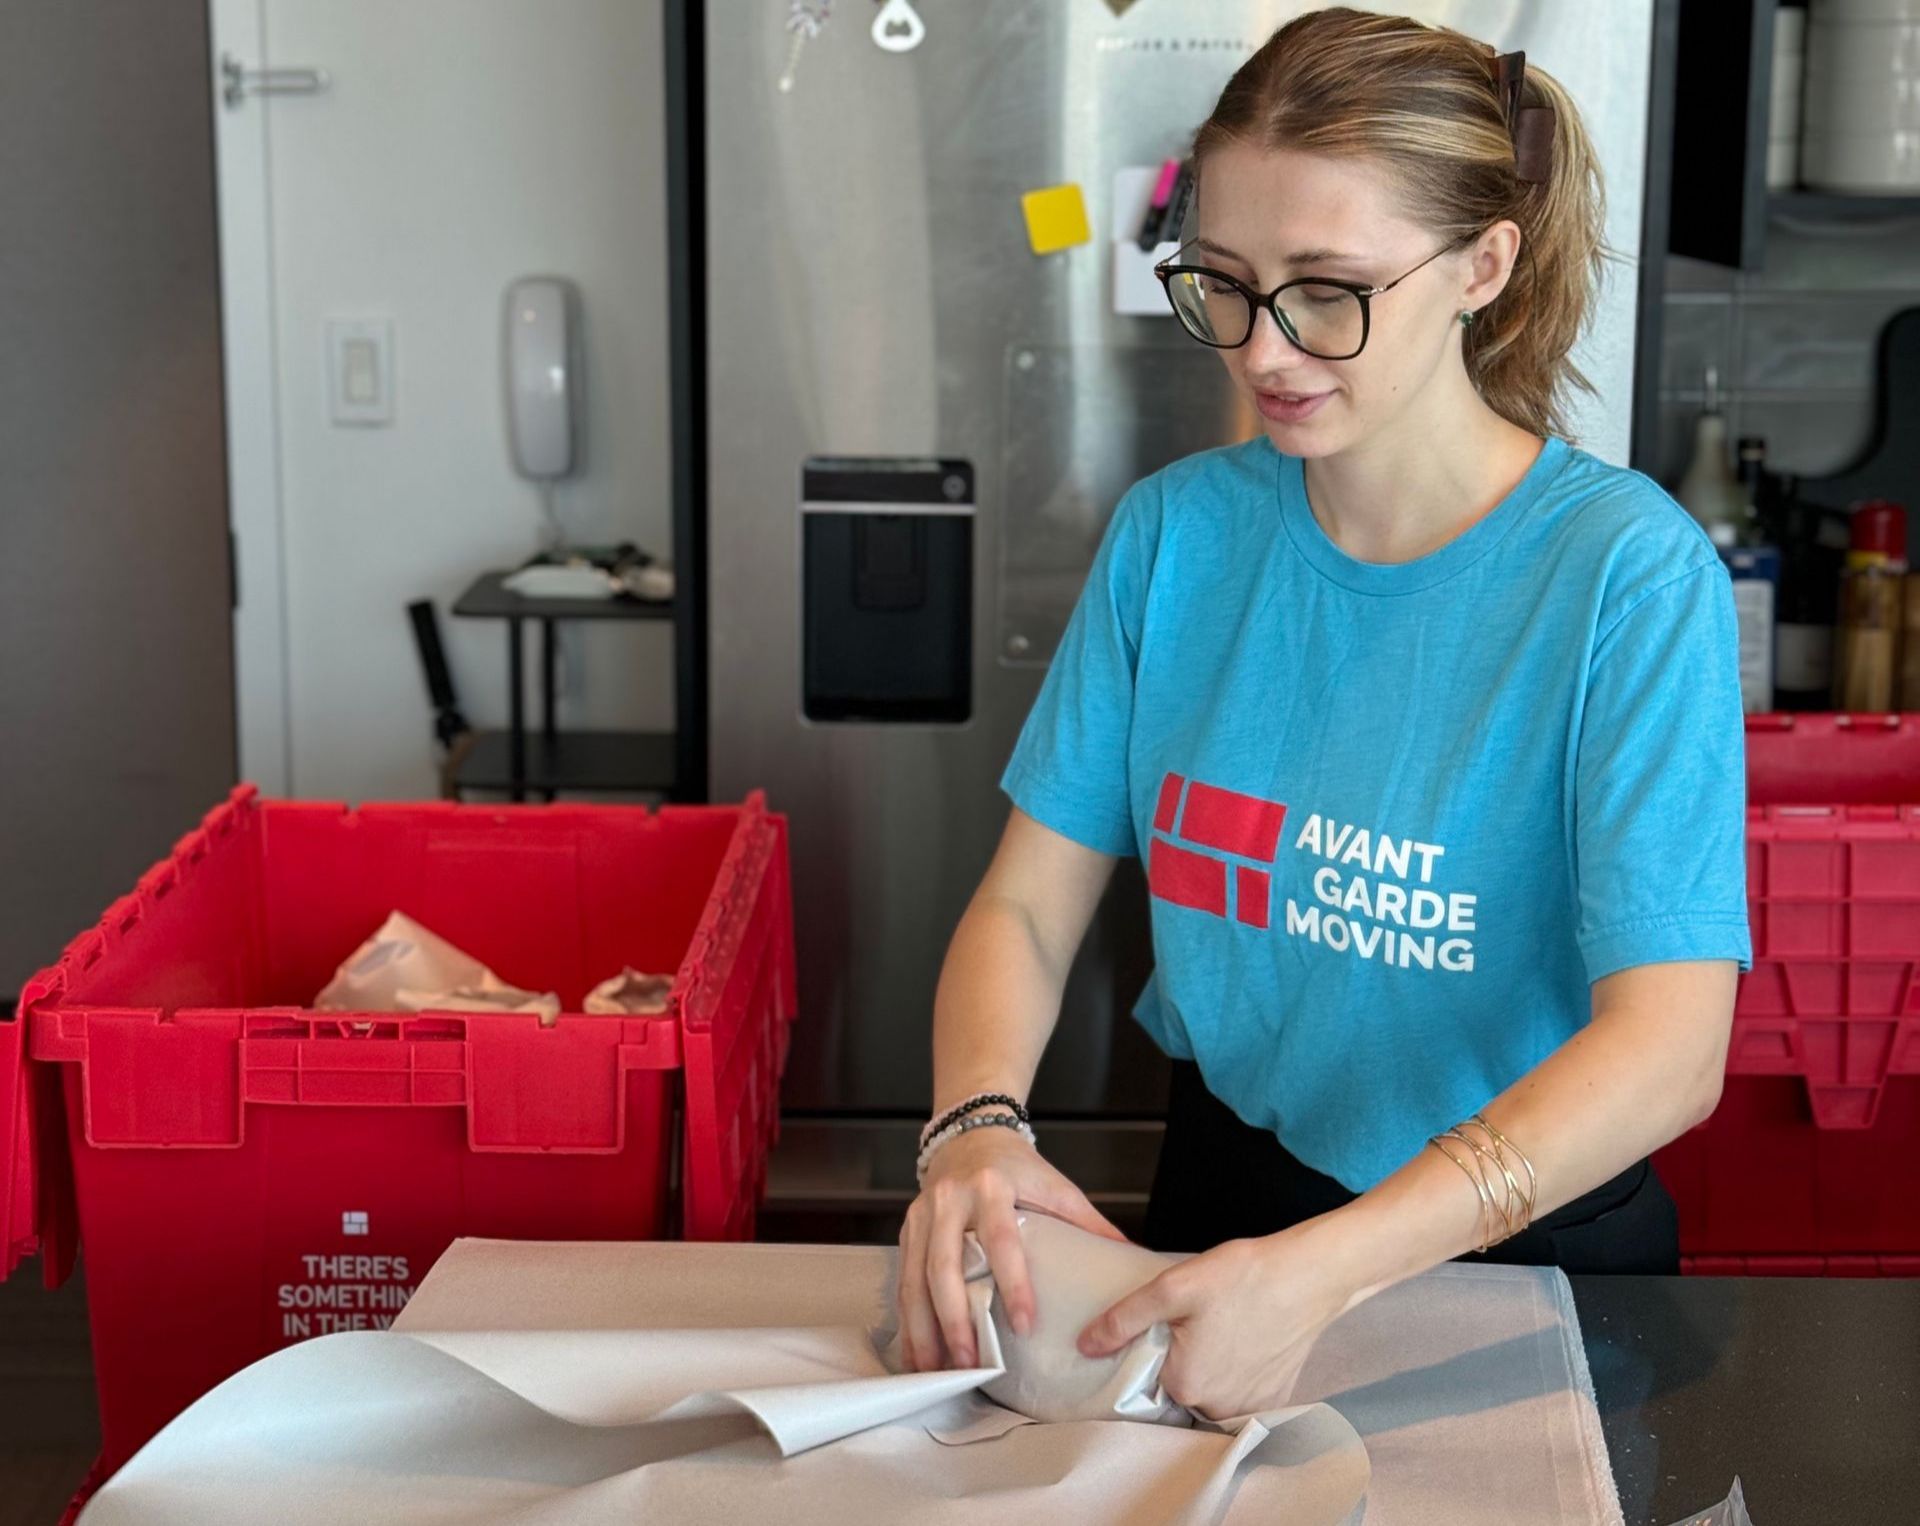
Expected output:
(450, 147)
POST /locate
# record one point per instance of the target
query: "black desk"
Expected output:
(1808, 1388)
(555, 760)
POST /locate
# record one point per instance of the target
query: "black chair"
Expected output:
(450, 728)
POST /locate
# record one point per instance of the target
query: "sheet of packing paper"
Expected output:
(406, 967)
(1468, 1386)
(693, 1420)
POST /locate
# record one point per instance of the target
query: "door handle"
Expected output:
(241, 82)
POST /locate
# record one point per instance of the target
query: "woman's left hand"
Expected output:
(1243, 1317)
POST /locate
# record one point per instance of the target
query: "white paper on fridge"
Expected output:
(1136, 290)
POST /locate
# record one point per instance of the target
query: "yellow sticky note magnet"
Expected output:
(1056, 218)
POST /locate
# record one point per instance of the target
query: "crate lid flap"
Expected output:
(18, 1237)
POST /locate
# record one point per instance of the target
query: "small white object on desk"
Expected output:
(544, 581)
(652, 582)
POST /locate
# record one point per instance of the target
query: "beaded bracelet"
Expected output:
(965, 1125)
(973, 1104)
(978, 1121)
(955, 1130)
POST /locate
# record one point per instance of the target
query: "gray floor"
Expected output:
(48, 1433)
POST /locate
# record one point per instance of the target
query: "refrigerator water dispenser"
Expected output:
(887, 589)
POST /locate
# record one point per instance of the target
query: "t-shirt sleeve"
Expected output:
(1069, 768)
(1660, 791)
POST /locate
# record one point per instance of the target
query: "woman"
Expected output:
(1427, 725)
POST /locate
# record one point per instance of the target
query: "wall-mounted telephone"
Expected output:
(544, 376)
(545, 381)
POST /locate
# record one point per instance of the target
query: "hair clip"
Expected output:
(1529, 127)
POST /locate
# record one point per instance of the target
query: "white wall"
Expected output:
(462, 143)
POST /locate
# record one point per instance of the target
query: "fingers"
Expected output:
(943, 1275)
(999, 1235)
(936, 1316)
(1180, 1382)
(1160, 1299)
(919, 1331)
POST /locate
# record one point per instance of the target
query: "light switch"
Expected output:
(363, 371)
(360, 370)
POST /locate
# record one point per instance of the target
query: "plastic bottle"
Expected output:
(1708, 489)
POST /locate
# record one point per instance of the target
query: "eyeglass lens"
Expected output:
(1327, 321)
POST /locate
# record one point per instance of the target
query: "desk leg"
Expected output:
(516, 711)
(548, 661)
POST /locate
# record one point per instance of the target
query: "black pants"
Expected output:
(1220, 1179)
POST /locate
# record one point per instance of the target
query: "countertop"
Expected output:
(1808, 1388)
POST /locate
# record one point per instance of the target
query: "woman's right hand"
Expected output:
(976, 1182)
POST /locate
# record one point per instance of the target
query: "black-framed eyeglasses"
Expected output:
(1327, 318)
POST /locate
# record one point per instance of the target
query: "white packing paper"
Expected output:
(524, 1396)
(689, 1424)
(1469, 1384)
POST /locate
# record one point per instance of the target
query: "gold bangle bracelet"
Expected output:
(1515, 1198)
(1479, 1187)
(1496, 1207)
(1501, 1142)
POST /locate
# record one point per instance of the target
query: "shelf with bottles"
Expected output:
(1829, 613)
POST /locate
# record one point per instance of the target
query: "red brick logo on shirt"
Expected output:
(1221, 822)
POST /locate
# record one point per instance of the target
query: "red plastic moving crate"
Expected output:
(242, 1172)
(1812, 1159)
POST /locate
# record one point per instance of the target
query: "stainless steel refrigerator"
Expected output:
(916, 427)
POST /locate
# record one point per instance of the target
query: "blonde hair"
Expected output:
(1422, 100)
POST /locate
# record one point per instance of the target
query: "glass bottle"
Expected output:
(1867, 655)
(1813, 543)
(1755, 569)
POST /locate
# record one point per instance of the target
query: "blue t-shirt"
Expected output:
(1397, 817)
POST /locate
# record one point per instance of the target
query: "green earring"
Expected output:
(1466, 320)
